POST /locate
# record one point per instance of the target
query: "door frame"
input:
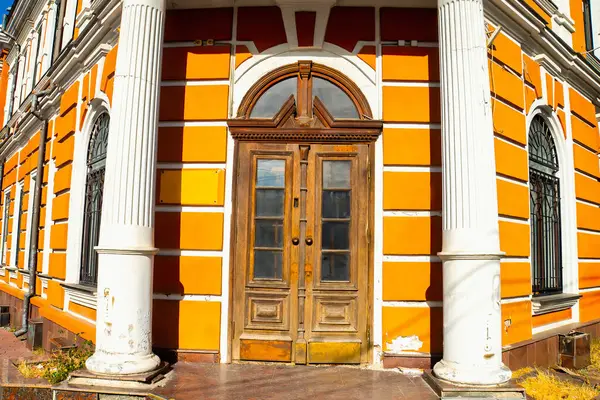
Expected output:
(370, 250)
(307, 122)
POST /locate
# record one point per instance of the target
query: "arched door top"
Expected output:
(305, 101)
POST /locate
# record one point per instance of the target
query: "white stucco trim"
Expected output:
(29, 228)
(332, 56)
(96, 107)
(16, 217)
(566, 175)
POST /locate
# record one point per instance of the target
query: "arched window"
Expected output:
(94, 186)
(544, 194)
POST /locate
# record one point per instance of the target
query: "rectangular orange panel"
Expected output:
(589, 274)
(58, 265)
(192, 63)
(412, 235)
(509, 122)
(584, 133)
(56, 294)
(511, 160)
(69, 98)
(516, 322)
(175, 324)
(266, 350)
(411, 64)
(550, 318)
(63, 151)
(532, 75)
(588, 216)
(514, 238)
(513, 199)
(506, 85)
(411, 104)
(559, 94)
(412, 146)
(60, 207)
(67, 124)
(85, 312)
(412, 190)
(412, 281)
(189, 230)
(539, 10)
(58, 236)
(589, 306)
(424, 322)
(189, 103)
(515, 279)
(588, 245)
(586, 160)
(192, 144)
(187, 275)
(583, 107)
(62, 178)
(108, 72)
(200, 187)
(550, 89)
(508, 53)
(587, 188)
(332, 352)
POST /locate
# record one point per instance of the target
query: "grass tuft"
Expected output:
(520, 372)
(543, 386)
(60, 364)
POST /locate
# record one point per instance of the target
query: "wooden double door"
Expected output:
(301, 265)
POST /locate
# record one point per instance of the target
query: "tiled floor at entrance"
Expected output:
(262, 382)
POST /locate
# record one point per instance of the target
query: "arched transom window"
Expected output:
(96, 166)
(544, 192)
(305, 101)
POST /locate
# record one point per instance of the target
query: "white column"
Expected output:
(471, 247)
(126, 246)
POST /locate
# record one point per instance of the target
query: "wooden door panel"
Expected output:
(265, 295)
(338, 289)
(302, 255)
(335, 313)
(268, 311)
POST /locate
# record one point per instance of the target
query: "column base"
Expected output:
(476, 375)
(121, 364)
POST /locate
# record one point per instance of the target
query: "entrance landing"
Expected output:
(262, 382)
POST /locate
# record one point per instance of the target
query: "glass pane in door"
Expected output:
(269, 195)
(335, 221)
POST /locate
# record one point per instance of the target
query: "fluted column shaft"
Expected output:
(126, 246)
(471, 250)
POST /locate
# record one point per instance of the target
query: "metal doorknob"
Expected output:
(309, 241)
(295, 241)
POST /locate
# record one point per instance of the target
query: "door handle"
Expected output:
(309, 241)
(295, 241)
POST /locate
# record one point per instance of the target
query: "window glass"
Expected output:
(337, 102)
(271, 101)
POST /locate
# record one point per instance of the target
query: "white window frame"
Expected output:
(5, 218)
(568, 216)
(15, 228)
(97, 106)
(29, 228)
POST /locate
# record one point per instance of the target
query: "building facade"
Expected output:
(391, 182)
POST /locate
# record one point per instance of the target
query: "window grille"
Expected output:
(96, 167)
(544, 194)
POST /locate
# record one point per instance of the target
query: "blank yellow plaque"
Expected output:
(199, 187)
